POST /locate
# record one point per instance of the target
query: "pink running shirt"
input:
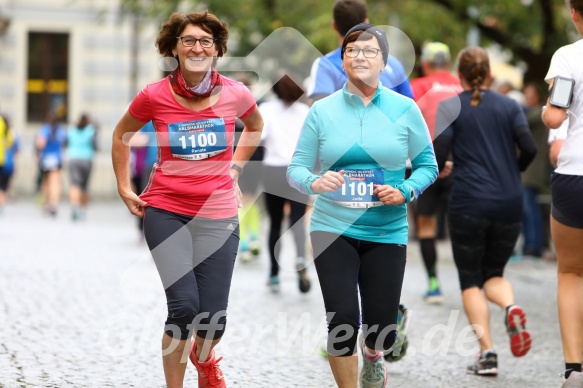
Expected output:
(192, 174)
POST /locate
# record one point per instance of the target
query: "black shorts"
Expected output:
(481, 247)
(567, 199)
(434, 197)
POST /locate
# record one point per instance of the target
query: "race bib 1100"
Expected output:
(196, 140)
(358, 187)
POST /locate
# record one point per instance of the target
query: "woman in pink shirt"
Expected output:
(190, 203)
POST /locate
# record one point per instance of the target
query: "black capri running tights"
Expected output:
(195, 259)
(344, 267)
(481, 247)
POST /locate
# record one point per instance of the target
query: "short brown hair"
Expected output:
(358, 35)
(348, 13)
(577, 5)
(474, 66)
(177, 22)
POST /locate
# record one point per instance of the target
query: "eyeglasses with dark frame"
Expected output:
(190, 41)
(352, 52)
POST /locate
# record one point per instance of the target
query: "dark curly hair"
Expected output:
(176, 24)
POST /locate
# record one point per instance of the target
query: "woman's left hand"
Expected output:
(388, 195)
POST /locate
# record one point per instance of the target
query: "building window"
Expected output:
(48, 75)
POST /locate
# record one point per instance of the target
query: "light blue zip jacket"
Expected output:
(340, 133)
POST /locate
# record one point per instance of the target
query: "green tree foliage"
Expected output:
(530, 29)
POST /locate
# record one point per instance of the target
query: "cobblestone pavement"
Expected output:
(81, 305)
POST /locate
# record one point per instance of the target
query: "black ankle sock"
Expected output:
(571, 367)
(508, 307)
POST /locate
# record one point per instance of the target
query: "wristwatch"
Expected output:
(237, 168)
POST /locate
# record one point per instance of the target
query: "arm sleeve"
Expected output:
(526, 145)
(523, 137)
(10, 140)
(94, 140)
(264, 110)
(245, 102)
(559, 133)
(442, 142)
(140, 108)
(322, 79)
(299, 172)
(394, 77)
(559, 66)
(424, 166)
(405, 89)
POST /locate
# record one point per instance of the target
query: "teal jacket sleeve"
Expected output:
(299, 172)
(421, 155)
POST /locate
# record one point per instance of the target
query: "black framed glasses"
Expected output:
(352, 52)
(190, 41)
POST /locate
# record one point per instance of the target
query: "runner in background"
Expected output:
(491, 143)
(250, 184)
(284, 117)
(436, 85)
(567, 205)
(81, 147)
(327, 75)
(9, 145)
(49, 143)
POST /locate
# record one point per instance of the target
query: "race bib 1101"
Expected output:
(196, 140)
(358, 187)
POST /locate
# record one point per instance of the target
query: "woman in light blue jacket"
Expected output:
(362, 137)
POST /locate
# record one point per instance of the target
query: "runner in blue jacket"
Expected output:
(362, 136)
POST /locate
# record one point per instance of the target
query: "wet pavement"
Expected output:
(81, 305)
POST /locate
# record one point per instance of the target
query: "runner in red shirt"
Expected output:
(190, 203)
(436, 85)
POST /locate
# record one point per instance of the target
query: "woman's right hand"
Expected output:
(135, 205)
(329, 182)
(446, 170)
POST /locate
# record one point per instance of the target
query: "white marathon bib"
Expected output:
(196, 140)
(358, 187)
